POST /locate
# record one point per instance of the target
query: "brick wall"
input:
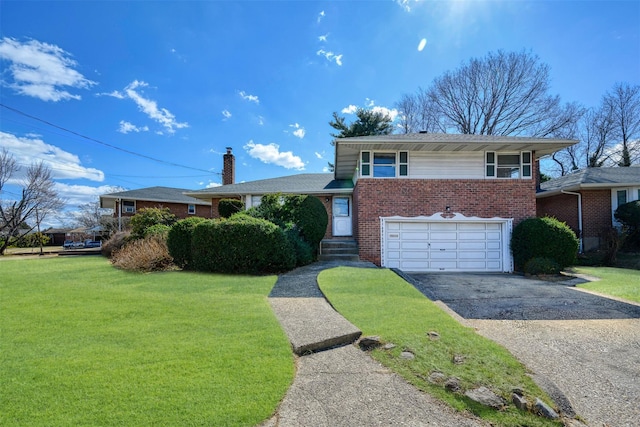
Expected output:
(596, 213)
(375, 198)
(563, 207)
(178, 209)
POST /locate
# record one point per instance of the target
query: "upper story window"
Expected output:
(384, 164)
(128, 206)
(192, 209)
(508, 165)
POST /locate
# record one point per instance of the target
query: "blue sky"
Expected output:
(160, 88)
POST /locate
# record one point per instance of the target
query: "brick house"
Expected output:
(587, 199)
(127, 203)
(420, 202)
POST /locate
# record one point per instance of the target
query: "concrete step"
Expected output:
(338, 250)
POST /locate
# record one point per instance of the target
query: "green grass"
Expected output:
(83, 343)
(617, 282)
(381, 303)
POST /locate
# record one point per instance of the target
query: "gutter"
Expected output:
(580, 249)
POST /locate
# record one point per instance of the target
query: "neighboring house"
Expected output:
(420, 202)
(127, 203)
(587, 199)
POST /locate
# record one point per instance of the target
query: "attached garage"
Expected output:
(447, 244)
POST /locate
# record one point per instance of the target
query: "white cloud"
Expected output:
(227, 114)
(351, 109)
(261, 120)
(63, 165)
(150, 108)
(319, 155)
(391, 113)
(422, 44)
(75, 195)
(404, 4)
(41, 70)
(271, 154)
(330, 56)
(321, 16)
(114, 94)
(299, 131)
(126, 127)
(212, 184)
(323, 38)
(250, 98)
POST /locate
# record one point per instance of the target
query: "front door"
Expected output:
(342, 216)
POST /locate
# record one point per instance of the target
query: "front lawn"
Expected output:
(617, 282)
(83, 343)
(381, 303)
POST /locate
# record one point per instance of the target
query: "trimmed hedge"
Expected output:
(241, 244)
(228, 207)
(179, 240)
(543, 238)
(537, 266)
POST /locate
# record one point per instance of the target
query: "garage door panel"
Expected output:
(393, 254)
(472, 226)
(494, 265)
(493, 255)
(414, 226)
(436, 246)
(393, 244)
(494, 235)
(414, 265)
(494, 245)
(473, 245)
(413, 235)
(444, 254)
(414, 244)
(415, 255)
(444, 265)
(443, 226)
(442, 235)
(472, 255)
(472, 265)
(472, 235)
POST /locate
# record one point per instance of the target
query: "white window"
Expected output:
(128, 206)
(621, 196)
(192, 209)
(384, 164)
(508, 165)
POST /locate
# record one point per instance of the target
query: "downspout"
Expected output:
(579, 215)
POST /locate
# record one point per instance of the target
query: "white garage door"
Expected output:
(444, 246)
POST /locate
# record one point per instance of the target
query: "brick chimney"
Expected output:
(228, 168)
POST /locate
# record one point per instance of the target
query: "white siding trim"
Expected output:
(446, 165)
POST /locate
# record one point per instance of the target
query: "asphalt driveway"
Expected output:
(584, 350)
(513, 297)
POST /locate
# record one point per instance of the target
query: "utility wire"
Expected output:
(88, 138)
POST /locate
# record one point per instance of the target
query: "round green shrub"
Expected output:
(241, 244)
(629, 214)
(228, 207)
(541, 265)
(310, 216)
(543, 238)
(179, 240)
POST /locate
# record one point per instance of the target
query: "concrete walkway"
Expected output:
(337, 384)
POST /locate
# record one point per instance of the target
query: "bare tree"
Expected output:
(500, 94)
(418, 113)
(624, 102)
(38, 198)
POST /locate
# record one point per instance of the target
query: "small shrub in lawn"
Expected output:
(241, 244)
(115, 243)
(543, 238)
(228, 207)
(179, 240)
(147, 217)
(539, 265)
(143, 255)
